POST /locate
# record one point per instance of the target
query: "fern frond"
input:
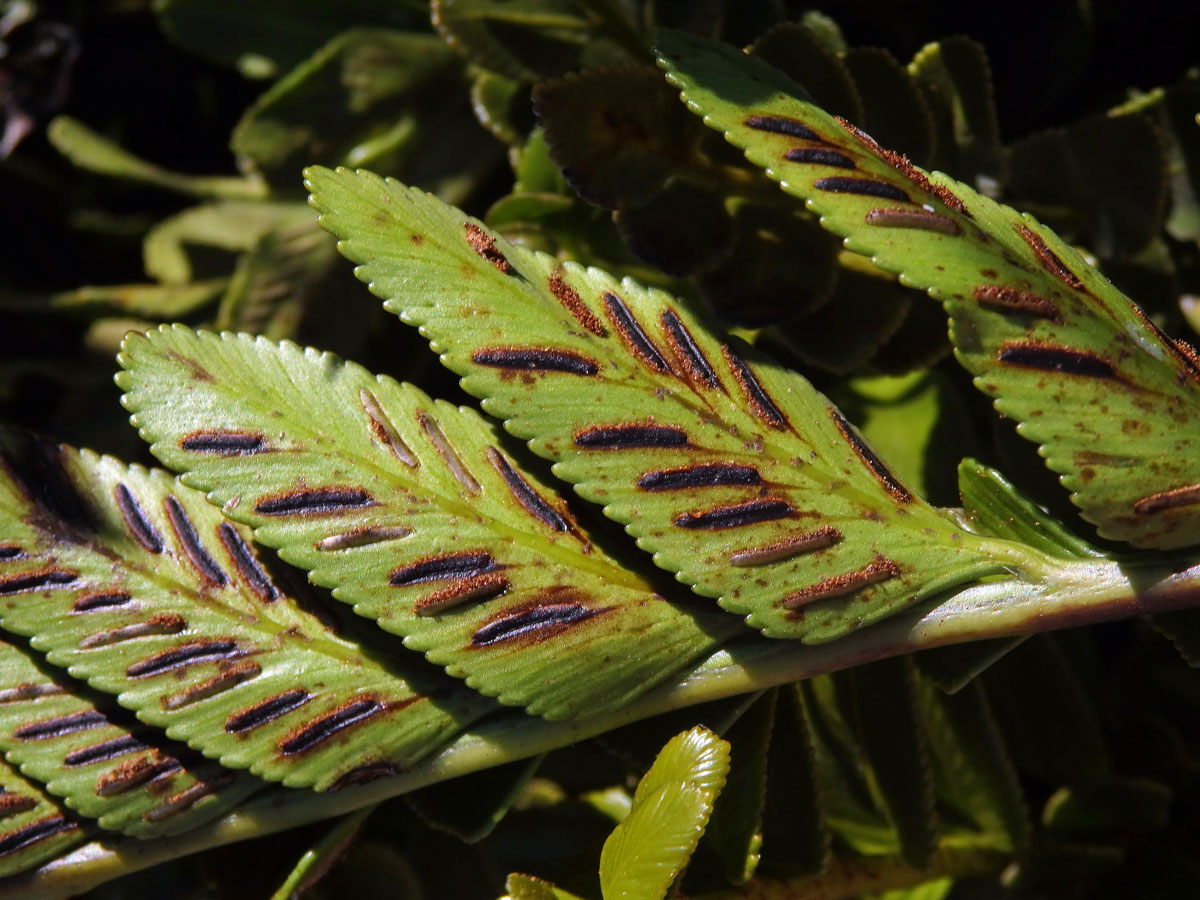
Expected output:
(1044, 333)
(732, 470)
(136, 585)
(410, 510)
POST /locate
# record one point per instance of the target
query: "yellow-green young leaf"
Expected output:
(105, 767)
(139, 587)
(412, 512)
(230, 226)
(526, 887)
(652, 846)
(89, 150)
(34, 828)
(1111, 400)
(732, 470)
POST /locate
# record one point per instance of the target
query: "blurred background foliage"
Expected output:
(152, 173)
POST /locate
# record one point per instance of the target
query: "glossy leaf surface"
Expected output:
(1057, 346)
(653, 844)
(410, 510)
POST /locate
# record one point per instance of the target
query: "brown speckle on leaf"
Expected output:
(880, 569)
(633, 336)
(687, 351)
(1010, 300)
(736, 515)
(1052, 358)
(228, 678)
(921, 219)
(483, 244)
(136, 520)
(630, 436)
(556, 611)
(130, 774)
(479, 587)
(537, 359)
(314, 501)
(782, 125)
(315, 733)
(224, 443)
(760, 401)
(30, 834)
(794, 545)
(1048, 258)
(570, 299)
(1188, 495)
(198, 372)
(177, 803)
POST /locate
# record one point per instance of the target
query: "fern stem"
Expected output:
(1076, 593)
